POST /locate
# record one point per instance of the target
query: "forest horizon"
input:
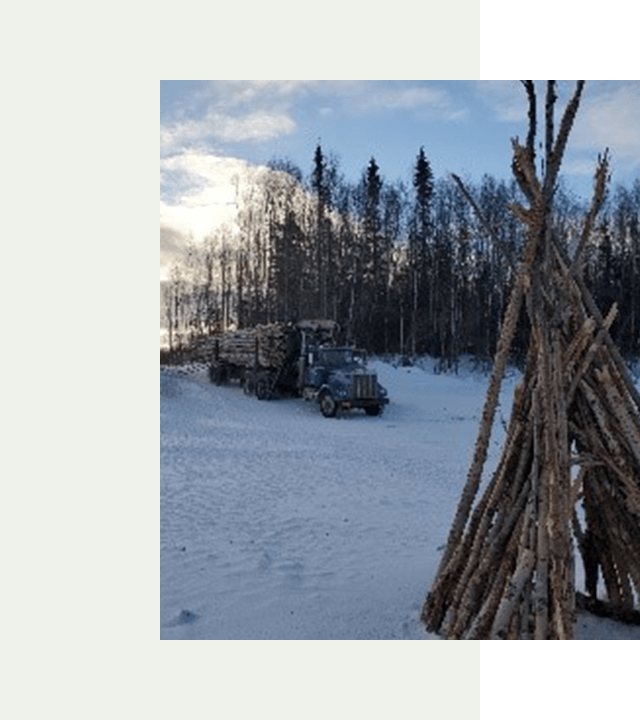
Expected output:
(418, 267)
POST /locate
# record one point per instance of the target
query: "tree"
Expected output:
(401, 268)
(420, 234)
(372, 280)
(393, 226)
(288, 267)
(320, 186)
(625, 231)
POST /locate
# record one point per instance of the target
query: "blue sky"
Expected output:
(214, 131)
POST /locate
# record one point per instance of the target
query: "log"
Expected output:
(484, 435)
(265, 346)
(512, 594)
(507, 571)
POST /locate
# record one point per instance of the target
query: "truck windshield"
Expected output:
(336, 357)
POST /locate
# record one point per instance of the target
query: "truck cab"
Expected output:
(338, 379)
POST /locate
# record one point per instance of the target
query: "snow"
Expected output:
(277, 523)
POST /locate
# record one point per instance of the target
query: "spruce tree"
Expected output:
(418, 250)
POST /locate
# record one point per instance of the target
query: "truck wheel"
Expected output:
(217, 375)
(373, 410)
(328, 406)
(262, 390)
(248, 386)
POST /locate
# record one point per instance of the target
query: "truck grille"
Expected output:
(365, 386)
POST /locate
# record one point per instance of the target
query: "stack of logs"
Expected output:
(574, 435)
(238, 347)
(277, 344)
(270, 346)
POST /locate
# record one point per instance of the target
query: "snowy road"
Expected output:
(277, 523)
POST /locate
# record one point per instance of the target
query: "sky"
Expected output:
(213, 133)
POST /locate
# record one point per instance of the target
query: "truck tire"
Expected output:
(373, 410)
(217, 375)
(328, 406)
(262, 390)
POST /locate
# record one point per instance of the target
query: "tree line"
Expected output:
(413, 268)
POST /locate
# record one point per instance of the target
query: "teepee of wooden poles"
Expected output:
(573, 439)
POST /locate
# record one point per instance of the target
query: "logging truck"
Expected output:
(299, 360)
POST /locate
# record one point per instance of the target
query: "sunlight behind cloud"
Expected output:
(200, 198)
(199, 173)
(206, 126)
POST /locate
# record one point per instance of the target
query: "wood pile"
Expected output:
(573, 437)
(270, 346)
(278, 344)
(238, 347)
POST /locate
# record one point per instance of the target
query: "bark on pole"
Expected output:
(508, 568)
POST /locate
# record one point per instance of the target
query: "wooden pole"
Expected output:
(508, 568)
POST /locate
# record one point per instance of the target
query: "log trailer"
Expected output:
(298, 360)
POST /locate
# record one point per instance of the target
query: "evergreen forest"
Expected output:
(422, 266)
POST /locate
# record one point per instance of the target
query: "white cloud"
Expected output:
(506, 98)
(255, 126)
(608, 117)
(234, 111)
(376, 96)
(609, 114)
(236, 93)
(206, 191)
(196, 220)
(611, 118)
(259, 111)
(410, 97)
(181, 225)
(200, 198)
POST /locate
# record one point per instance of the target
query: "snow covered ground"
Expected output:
(277, 523)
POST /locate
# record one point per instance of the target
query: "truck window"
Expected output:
(336, 357)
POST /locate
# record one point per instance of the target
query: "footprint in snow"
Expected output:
(265, 562)
(186, 617)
